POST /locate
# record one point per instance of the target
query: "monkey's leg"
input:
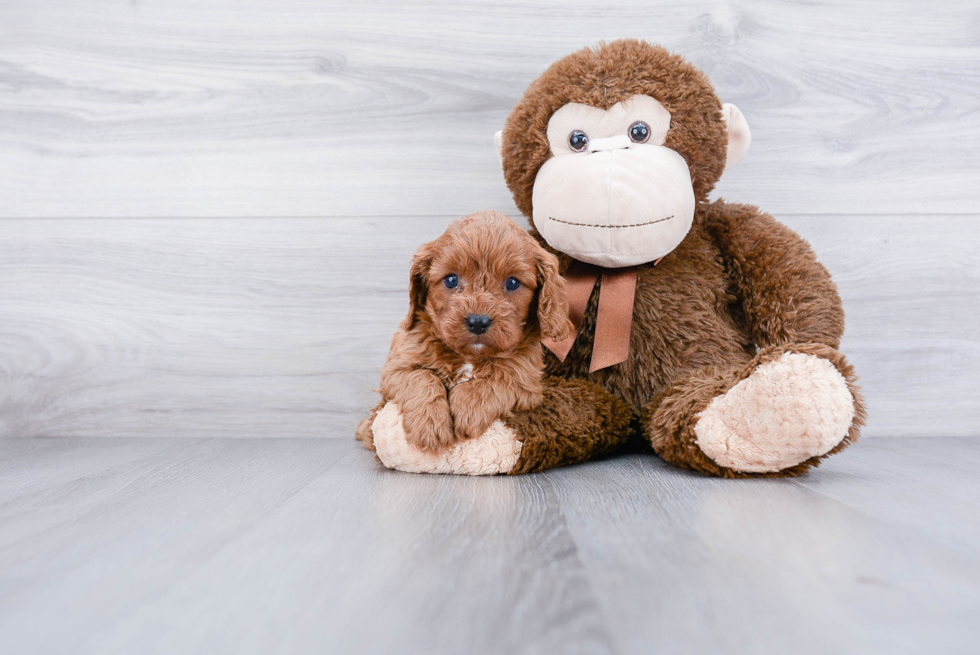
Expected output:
(777, 415)
(576, 421)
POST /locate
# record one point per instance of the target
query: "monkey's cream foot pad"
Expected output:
(784, 413)
(495, 451)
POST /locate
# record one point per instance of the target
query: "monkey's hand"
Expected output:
(577, 420)
(495, 451)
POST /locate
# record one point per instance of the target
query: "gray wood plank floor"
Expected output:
(307, 545)
(206, 216)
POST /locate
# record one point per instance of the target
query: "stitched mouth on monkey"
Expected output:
(617, 209)
(573, 223)
(607, 195)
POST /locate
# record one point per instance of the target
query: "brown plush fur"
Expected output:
(739, 282)
(673, 412)
(551, 440)
(432, 346)
(601, 77)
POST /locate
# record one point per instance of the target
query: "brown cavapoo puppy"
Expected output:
(469, 352)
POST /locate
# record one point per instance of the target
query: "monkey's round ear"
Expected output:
(498, 140)
(739, 136)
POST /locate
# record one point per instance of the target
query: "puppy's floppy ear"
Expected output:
(552, 301)
(418, 282)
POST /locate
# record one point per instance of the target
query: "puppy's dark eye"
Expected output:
(512, 284)
(639, 132)
(578, 140)
(451, 281)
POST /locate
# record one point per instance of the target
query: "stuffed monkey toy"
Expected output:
(707, 330)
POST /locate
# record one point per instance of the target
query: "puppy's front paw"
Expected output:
(430, 426)
(469, 427)
(496, 451)
(528, 399)
(469, 412)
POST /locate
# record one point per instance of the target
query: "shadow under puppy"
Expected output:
(469, 352)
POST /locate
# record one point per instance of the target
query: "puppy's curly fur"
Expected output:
(450, 382)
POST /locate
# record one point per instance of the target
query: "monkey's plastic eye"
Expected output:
(578, 140)
(451, 281)
(639, 132)
(512, 284)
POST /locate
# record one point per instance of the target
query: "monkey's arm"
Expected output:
(786, 294)
(576, 421)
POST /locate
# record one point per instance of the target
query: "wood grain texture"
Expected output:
(161, 327)
(258, 546)
(692, 564)
(204, 313)
(373, 120)
(302, 108)
(295, 546)
(164, 327)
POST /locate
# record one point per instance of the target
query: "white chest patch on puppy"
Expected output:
(463, 374)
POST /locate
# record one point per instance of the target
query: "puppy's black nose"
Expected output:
(478, 323)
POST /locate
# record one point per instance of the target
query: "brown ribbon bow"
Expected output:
(614, 316)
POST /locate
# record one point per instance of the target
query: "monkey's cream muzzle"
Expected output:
(619, 201)
(618, 142)
(614, 206)
(613, 201)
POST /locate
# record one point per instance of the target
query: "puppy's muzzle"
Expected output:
(478, 323)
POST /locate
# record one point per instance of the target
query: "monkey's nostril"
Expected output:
(478, 323)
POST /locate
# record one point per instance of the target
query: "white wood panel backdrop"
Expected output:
(207, 208)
